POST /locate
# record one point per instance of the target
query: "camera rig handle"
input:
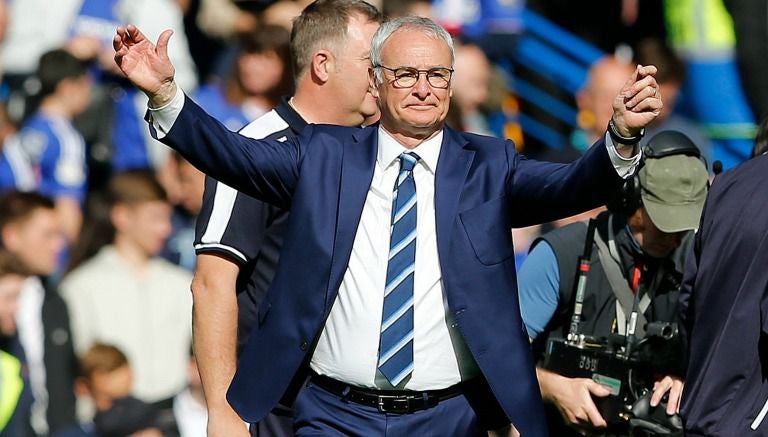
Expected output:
(581, 283)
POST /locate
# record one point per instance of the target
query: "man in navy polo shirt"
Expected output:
(238, 238)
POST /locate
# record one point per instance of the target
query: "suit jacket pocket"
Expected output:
(488, 229)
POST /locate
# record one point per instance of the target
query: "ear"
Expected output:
(374, 90)
(10, 236)
(120, 216)
(322, 65)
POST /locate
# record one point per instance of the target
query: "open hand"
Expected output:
(146, 65)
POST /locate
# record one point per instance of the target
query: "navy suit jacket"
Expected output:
(483, 187)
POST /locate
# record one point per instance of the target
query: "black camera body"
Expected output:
(628, 376)
(601, 364)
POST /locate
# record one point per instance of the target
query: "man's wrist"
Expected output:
(624, 137)
(164, 95)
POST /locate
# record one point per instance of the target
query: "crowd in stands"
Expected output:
(97, 218)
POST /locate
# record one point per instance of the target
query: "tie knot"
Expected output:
(408, 160)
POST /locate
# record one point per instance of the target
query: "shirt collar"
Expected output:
(287, 113)
(390, 150)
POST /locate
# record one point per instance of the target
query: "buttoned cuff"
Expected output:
(163, 118)
(625, 167)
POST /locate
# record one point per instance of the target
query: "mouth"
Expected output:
(421, 107)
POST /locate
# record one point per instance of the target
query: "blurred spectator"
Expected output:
(595, 99)
(49, 155)
(282, 13)
(3, 27)
(179, 249)
(189, 408)
(470, 87)
(133, 147)
(127, 296)
(702, 34)
(14, 390)
(670, 76)
(399, 8)
(620, 22)
(34, 27)
(106, 379)
(258, 78)
(29, 229)
(12, 276)
(91, 39)
(594, 102)
(223, 19)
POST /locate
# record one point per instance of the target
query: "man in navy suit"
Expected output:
(399, 304)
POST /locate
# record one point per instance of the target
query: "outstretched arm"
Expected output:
(145, 64)
(265, 169)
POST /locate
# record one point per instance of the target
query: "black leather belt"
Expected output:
(386, 401)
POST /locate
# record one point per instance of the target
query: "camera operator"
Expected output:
(636, 268)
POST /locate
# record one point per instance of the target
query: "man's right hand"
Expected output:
(146, 65)
(573, 398)
(224, 422)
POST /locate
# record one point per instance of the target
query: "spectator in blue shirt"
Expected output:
(49, 154)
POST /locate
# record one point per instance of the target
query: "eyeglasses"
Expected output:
(406, 77)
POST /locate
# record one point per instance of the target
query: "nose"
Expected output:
(422, 88)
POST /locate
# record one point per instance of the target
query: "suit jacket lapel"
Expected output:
(450, 176)
(357, 165)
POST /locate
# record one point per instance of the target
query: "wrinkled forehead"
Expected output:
(414, 47)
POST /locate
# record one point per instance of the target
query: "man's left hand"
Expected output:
(638, 103)
(674, 386)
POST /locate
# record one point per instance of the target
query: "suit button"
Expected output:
(304, 345)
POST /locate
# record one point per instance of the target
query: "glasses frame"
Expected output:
(397, 79)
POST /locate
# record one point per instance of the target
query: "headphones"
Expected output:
(663, 144)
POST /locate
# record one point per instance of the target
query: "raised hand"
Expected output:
(638, 103)
(146, 65)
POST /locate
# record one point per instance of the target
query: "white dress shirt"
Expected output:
(348, 346)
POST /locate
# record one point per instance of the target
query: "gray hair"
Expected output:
(429, 27)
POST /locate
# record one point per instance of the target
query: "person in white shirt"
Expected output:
(399, 335)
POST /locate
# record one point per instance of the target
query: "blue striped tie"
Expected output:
(396, 345)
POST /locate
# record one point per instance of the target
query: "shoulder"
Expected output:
(480, 142)
(565, 236)
(486, 148)
(341, 132)
(322, 136)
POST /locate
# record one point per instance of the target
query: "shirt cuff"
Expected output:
(625, 167)
(163, 118)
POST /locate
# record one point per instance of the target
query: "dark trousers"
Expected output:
(278, 423)
(320, 413)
